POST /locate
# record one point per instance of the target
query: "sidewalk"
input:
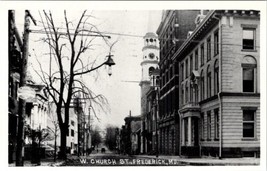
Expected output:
(44, 162)
(209, 161)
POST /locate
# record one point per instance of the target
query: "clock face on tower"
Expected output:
(151, 55)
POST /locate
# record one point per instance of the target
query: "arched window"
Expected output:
(208, 82)
(249, 66)
(216, 77)
(202, 89)
(150, 70)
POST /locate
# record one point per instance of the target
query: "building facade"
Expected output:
(219, 78)
(153, 111)
(173, 30)
(130, 138)
(148, 64)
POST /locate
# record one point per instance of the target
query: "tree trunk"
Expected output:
(20, 136)
(55, 146)
(63, 142)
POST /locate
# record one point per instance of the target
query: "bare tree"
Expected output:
(69, 49)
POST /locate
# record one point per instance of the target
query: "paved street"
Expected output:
(112, 159)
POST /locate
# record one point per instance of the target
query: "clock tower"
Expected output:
(149, 63)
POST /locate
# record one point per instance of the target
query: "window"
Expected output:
(208, 125)
(150, 70)
(216, 123)
(249, 38)
(216, 77)
(186, 68)
(10, 93)
(182, 71)
(248, 123)
(72, 123)
(249, 71)
(167, 75)
(248, 79)
(72, 133)
(202, 125)
(216, 43)
(182, 99)
(196, 59)
(186, 129)
(202, 54)
(191, 64)
(202, 88)
(196, 93)
(186, 93)
(208, 82)
(176, 68)
(191, 94)
(208, 49)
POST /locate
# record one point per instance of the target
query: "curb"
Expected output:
(197, 163)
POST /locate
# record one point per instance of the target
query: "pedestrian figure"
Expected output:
(97, 150)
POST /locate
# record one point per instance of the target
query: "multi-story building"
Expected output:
(36, 108)
(153, 111)
(219, 78)
(135, 136)
(148, 64)
(130, 135)
(173, 30)
(14, 55)
(72, 135)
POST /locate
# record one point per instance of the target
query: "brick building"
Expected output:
(219, 78)
(130, 135)
(173, 29)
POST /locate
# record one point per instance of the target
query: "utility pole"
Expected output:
(22, 103)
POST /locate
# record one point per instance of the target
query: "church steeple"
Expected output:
(150, 55)
(149, 63)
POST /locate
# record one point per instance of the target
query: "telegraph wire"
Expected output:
(98, 34)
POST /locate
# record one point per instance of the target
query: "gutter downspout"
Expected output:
(180, 141)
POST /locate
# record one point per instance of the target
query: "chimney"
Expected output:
(130, 113)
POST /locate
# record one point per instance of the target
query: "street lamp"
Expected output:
(109, 62)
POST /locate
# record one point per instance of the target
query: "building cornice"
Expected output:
(208, 21)
(149, 62)
(150, 47)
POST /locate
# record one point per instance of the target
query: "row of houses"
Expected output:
(40, 113)
(200, 87)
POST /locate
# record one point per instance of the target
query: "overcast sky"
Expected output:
(122, 96)
(121, 89)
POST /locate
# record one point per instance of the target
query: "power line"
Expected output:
(65, 33)
(131, 81)
(98, 34)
